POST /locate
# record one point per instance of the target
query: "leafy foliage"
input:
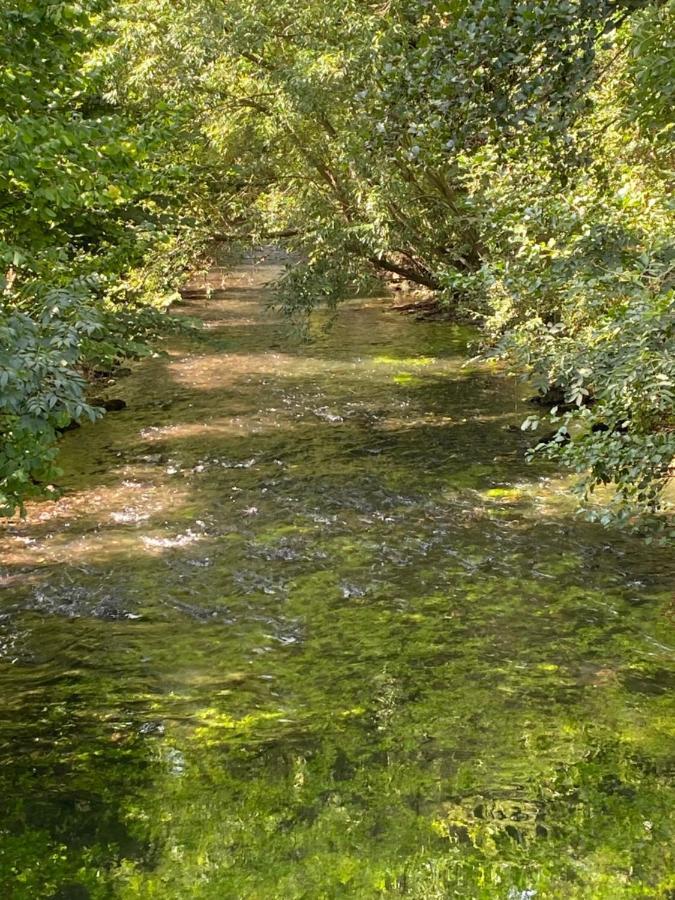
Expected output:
(580, 284)
(41, 388)
(96, 218)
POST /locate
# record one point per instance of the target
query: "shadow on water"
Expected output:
(305, 624)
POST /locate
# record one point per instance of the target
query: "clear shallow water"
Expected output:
(305, 625)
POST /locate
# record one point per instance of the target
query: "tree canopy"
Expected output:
(514, 158)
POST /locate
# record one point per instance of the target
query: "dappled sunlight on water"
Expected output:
(304, 623)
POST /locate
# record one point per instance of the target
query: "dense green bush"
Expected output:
(579, 276)
(97, 216)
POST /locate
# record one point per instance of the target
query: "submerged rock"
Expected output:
(73, 425)
(555, 395)
(552, 396)
(153, 728)
(557, 436)
(114, 404)
(616, 428)
(75, 602)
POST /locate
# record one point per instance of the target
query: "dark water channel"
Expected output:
(306, 625)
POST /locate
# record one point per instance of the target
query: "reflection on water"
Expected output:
(305, 625)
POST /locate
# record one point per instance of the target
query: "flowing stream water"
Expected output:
(305, 624)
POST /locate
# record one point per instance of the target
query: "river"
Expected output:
(305, 624)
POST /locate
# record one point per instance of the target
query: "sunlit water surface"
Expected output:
(305, 624)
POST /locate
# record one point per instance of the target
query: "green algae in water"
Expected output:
(303, 658)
